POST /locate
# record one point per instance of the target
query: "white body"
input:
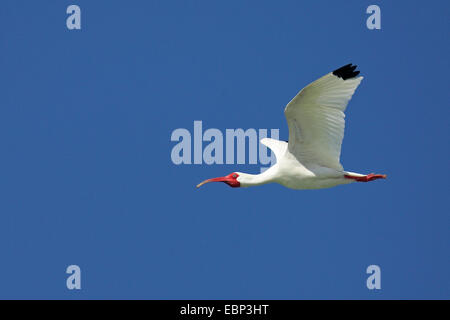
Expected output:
(291, 173)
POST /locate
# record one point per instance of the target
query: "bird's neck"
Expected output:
(249, 180)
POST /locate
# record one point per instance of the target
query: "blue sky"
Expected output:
(87, 178)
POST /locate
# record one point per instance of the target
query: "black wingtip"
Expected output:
(346, 72)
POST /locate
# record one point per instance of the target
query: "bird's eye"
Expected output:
(235, 176)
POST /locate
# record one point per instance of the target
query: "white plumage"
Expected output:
(316, 122)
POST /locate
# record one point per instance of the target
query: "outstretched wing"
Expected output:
(278, 147)
(316, 117)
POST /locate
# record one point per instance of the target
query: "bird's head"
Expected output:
(232, 180)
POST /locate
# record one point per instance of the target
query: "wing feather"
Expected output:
(316, 118)
(278, 147)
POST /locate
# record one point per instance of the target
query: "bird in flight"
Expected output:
(310, 160)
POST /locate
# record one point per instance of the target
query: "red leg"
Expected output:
(367, 178)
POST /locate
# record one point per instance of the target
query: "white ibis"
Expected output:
(310, 160)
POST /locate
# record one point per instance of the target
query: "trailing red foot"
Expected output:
(367, 178)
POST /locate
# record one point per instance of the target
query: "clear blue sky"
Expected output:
(86, 175)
